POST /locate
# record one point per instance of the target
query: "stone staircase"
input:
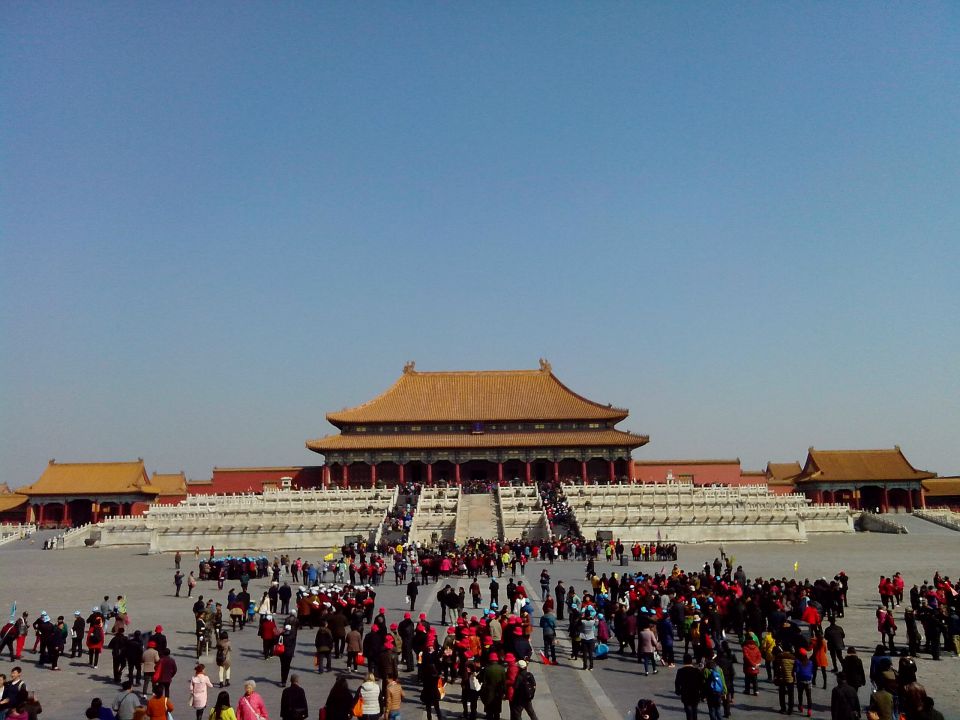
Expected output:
(477, 517)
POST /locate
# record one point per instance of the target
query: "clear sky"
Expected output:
(222, 220)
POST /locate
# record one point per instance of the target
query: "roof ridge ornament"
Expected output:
(545, 365)
(408, 367)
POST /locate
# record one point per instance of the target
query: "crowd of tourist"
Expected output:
(722, 629)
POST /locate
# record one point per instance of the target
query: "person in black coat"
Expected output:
(844, 703)
(289, 636)
(853, 669)
(293, 701)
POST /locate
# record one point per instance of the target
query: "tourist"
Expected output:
(293, 701)
(493, 687)
(393, 698)
(844, 703)
(159, 705)
(804, 671)
(524, 687)
(133, 656)
(588, 637)
(818, 652)
(223, 658)
(548, 624)
(221, 709)
(95, 642)
(250, 706)
(784, 677)
(853, 669)
(288, 641)
(340, 700)
(369, 693)
(751, 665)
(97, 711)
(689, 686)
(199, 684)
(126, 702)
(647, 644)
(726, 660)
(166, 670)
(714, 689)
(430, 694)
(148, 664)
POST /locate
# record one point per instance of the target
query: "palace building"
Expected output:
(863, 479)
(477, 426)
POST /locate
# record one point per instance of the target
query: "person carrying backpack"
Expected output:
(714, 689)
(524, 689)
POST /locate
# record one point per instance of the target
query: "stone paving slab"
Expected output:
(62, 581)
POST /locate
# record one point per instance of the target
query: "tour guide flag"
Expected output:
(796, 565)
(13, 611)
(328, 557)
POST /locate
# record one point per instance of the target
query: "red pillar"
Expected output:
(326, 476)
(40, 514)
(373, 475)
(556, 471)
(499, 473)
(456, 473)
(95, 513)
(886, 500)
(430, 474)
(630, 473)
(923, 499)
(909, 500)
(66, 514)
(345, 475)
(583, 472)
(613, 471)
(401, 474)
(526, 472)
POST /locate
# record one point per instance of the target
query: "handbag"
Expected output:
(358, 707)
(257, 715)
(361, 660)
(441, 688)
(279, 648)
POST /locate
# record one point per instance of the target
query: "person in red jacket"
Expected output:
(95, 641)
(268, 633)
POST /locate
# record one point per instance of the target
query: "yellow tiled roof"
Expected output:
(91, 479)
(11, 501)
(859, 465)
(782, 473)
(477, 396)
(426, 441)
(942, 486)
(169, 483)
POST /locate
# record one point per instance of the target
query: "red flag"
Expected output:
(544, 658)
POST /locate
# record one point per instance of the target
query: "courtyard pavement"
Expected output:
(66, 580)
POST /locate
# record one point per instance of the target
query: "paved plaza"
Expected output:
(76, 579)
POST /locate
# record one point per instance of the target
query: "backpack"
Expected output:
(96, 635)
(603, 632)
(527, 685)
(716, 681)
(221, 655)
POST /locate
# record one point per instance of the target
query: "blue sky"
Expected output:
(220, 221)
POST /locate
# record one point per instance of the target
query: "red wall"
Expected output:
(243, 480)
(723, 473)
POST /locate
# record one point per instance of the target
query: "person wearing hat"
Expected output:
(493, 687)
(522, 691)
(803, 672)
(268, 633)
(288, 638)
